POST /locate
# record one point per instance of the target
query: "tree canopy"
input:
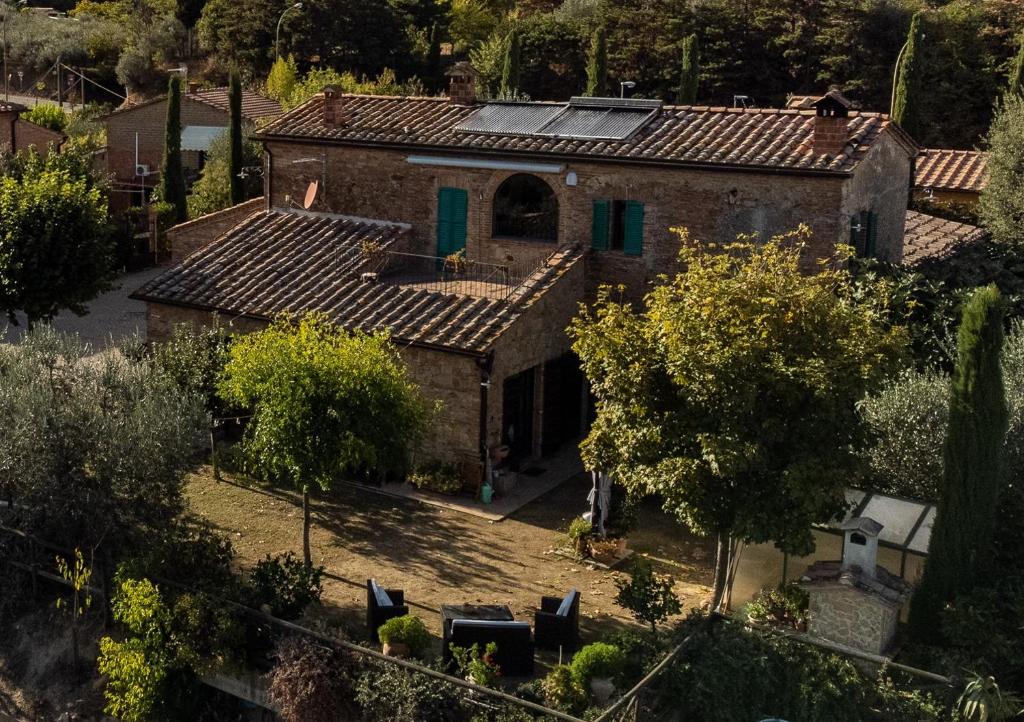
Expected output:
(1002, 204)
(732, 392)
(54, 246)
(326, 403)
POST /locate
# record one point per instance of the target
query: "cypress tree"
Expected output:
(1016, 84)
(235, 138)
(973, 475)
(510, 70)
(172, 179)
(597, 65)
(689, 72)
(906, 96)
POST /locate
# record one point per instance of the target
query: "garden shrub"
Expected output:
(188, 552)
(407, 629)
(476, 666)
(310, 682)
(194, 360)
(563, 691)
(438, 476)
(784, 605)
(387, 692)
(640, 652)
(286, 584)
(647, 594)
(48, 116)
(597, 660)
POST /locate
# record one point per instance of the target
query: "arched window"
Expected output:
(525, 207)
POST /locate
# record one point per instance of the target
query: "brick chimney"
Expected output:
(331, 102)
(831, 113)
(462, 86)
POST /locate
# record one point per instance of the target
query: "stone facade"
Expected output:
(714, 205)
(852, 617)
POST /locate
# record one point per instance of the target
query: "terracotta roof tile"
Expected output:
(281, 261)
(929, 238)
(774, 138)
(953, 170)
(254, 105)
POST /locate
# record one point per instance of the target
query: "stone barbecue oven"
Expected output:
(855, 602)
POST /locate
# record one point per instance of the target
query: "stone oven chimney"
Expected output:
(830, 124)
(462, 86)
(331, 105)
(860, 545)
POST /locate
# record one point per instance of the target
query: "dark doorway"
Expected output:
(517, 415)
(525, 207)
(563, 402)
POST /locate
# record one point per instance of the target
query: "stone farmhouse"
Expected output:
(18, 134)
(472, 231)
(951, 176)
(135, 137)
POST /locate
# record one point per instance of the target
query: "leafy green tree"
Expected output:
(1002, 203)
(48, 116)
(325, 403)
(1016, 79)
(236, 158)
(689, 72)
(973, 465)
(54, 246)
(732, 393)
(906, 97)
(283, 77)
(510, 70)
(172, 178)
(597, 65)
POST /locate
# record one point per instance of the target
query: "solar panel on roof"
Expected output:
(582, 118)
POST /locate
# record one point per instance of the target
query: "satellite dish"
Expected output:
(311, 194)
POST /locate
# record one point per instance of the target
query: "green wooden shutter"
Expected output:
(633, 235)
(870, 246)
(600, 227)
(452, 209)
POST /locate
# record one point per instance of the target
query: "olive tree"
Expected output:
(1002, 204)
(731, 393)
(95, 446)
(326, 403)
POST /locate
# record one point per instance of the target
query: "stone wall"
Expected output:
(186, 238)
(21, 134)
(852, 617)
(714, 205)
(881, 184)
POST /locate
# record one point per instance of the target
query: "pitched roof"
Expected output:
(283, 261)
(953, 170)
(690, 135)
(254, 105)
(929, 237)
(9, 107)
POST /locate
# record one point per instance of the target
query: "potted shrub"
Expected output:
(596, 666)
(475, 667)
(579, 536)
(437, 476)
(404, 636)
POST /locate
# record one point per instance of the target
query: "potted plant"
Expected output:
(404, 636)
(579, 535)
(596, 666)
(476, 667)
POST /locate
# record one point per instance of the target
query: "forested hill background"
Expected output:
(765, 49)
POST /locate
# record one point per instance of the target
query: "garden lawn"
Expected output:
(439, 556)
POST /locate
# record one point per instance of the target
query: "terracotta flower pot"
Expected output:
(396, 649)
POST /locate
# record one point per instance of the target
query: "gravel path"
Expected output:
(112, 316)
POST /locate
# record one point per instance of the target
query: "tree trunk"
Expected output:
(305, 526)
(721, 571)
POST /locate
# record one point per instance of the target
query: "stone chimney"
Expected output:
(462, 86)
(860, 545)
(331, 102)
(831, 112)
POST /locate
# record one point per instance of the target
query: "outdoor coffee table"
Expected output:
(487, 612)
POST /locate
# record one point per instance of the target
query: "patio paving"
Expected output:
(553, 472)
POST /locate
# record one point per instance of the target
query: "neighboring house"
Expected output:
(473, 230)
(950, 176)
(930, 239)
(19, 134)
(135, 136)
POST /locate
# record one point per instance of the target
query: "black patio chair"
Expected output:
(557, 622)
(382, 605)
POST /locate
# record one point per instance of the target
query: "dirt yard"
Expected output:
(445, 557)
